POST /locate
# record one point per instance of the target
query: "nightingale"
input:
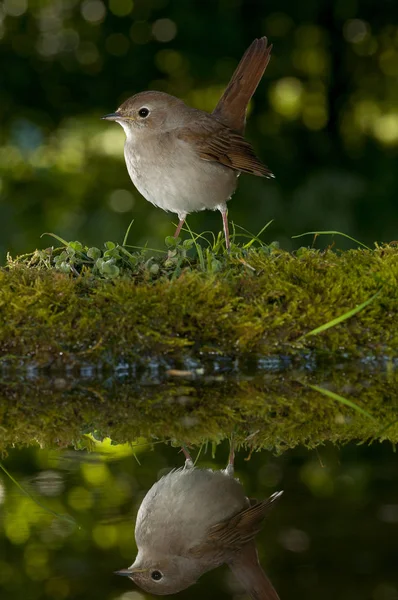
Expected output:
(194, 520)
(186, 160)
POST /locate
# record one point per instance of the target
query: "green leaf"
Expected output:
(109, 269)
(171, 242)
(77, 246)
(94, 253)
(154, 269)
(187, 244)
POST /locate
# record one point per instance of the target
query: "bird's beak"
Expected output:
(123, 572)
(129, 572)
(112, 116)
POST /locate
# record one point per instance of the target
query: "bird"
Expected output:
(184, 160)
(193, 520)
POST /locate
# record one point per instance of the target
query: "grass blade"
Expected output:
(127, 233)
(145, 248)
(197, 246)
(331, 233)
(56, 237)
(342, 400)
(343, 317)
(257, 237)
(382, 431)
(45, 508)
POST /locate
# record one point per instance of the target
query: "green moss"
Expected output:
(259, 302)
(275, 411)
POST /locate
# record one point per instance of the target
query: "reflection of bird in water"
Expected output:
(194, 520)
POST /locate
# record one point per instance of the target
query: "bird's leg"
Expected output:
(224, 214)
(230, 466)
(180, 224)
(188, 459)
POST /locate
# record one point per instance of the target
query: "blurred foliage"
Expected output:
(332, 535)
(325, 118)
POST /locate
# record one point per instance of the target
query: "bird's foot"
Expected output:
(188, 459)
(230, 466)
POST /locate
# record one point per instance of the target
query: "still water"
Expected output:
(68, 503)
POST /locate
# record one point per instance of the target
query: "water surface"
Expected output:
(333, 534)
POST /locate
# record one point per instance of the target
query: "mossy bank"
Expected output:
(259, 301)
(274, 411)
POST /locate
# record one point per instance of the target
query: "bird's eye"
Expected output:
(156, 575)
(143, 112)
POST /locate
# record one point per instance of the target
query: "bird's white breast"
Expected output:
(169, 173)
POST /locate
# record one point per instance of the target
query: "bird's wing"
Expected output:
(216, 142)
(230, 535)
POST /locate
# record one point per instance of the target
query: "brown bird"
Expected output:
(185, 160)
(194, 520)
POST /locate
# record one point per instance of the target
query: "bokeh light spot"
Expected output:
(317, 479)
(164, 30)
(366, 47)
(48, 44)
(15, 8)
(169, 61)
(36, 561)
(315, 116)
(366, 111)
(389, 62)
(131, 596)
(121, 8)
(385, 129)
(87, 53)
(17, 530)
(58, 588)
(95, 473)
(309, 35)
(385, 591)
(105, 536)
(278, 24)
(80, 498)
(355, 30)
(109, 142)
(206, 98)
(49, 483)
(121, 201)
(35, 555)
(294, 540)
(93, 11)
(388, 513)
(311, 60)
(286, 97)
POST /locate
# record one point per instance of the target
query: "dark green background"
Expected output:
(323, 118)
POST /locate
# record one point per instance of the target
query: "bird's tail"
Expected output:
(231, 108)
(248, 571)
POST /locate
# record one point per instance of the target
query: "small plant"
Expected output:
(122, 260)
